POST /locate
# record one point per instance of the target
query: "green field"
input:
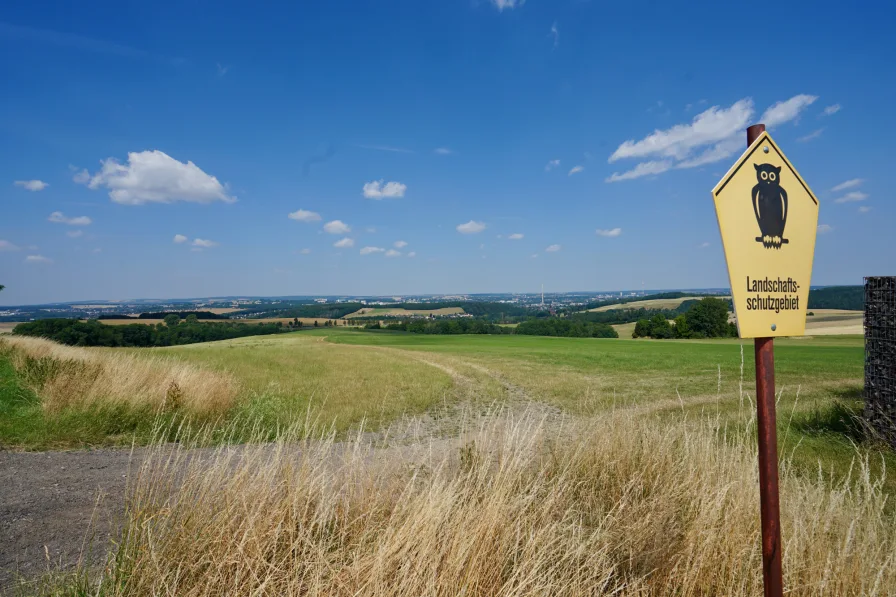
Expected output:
(346, 377)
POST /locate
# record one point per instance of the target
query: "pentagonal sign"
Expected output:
(768, 218)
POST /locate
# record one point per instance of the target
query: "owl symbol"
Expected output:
(770, 206)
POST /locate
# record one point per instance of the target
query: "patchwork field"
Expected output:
(383, 312)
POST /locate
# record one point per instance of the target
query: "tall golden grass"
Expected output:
(67, 377)
(615, 504)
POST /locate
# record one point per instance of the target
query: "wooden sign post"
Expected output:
(768, 219)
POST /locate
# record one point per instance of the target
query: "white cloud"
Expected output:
(707, 128)
(380, 190)
(575, 170)
(611, 232)
(344, 243)
(82, 176)
(386, 148)
(32, 185)
(813, 135)
(74, 233)
(502, 4)
(851, 197)
(305, 251)
(399, 244)
(179, 239)
(516, 236)
(222, 69)
(713, 135)
(471, 227)
(652, 167)
(552, 249)
(97, 250)
(443, 151)
(551, 165)
(393, 253)
(824, 228)
(156, 177)
(37, 259)
(337, 227)
(855, 182)
(704, 245)
(788, 110)
(5, 245)
(832, 109)
(534, 255)
(370, 250)
(412, 254)
(204, 244)
(864, 209)
(371, 230)
(60, 218)
(303, 215)
(555, 32)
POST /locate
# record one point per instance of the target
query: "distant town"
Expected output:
(242, 307)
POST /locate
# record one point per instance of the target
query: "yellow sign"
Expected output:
(768, 218)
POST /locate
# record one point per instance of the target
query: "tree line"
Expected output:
(708, 318)
(533, 327)
(171, 333)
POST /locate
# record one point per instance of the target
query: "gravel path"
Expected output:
(48, 501)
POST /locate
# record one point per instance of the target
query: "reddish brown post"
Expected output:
(769, 507)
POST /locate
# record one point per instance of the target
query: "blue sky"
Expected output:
(594, 130)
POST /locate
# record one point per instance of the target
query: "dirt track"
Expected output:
(49, 500)
(47, 503)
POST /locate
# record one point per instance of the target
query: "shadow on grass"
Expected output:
(842, 416)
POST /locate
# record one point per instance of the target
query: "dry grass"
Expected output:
(67, 377)
(616, 504)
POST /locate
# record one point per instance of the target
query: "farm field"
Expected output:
(385, 312)
(7, 326)
(670, 303)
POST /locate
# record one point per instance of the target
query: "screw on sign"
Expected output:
(768, 219)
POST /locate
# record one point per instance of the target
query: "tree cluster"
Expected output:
(837, 297)
(566, 328)
(708, 318)
(171, 333)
